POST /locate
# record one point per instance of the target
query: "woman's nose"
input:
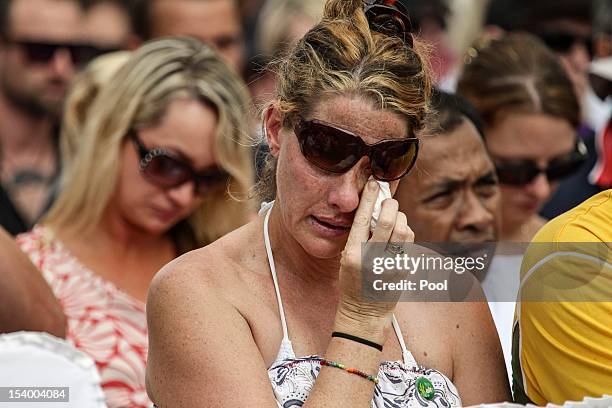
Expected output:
(182, 195)
(539, 187)
(346, 191)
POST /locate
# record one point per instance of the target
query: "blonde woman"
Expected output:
(161, 151)
(273, 314)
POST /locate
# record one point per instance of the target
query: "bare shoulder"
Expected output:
(191, 303)
(216, 266)
(199, 283)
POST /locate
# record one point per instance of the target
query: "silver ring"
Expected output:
(395, 249)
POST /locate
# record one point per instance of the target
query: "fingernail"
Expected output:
(372, 185)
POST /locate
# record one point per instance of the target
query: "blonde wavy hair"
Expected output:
(82, 93)
(136, 97)
(341, 55)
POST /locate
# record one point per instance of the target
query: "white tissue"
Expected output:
(383, 193)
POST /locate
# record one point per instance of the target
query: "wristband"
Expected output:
(358, 340)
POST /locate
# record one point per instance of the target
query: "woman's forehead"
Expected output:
(361, 117)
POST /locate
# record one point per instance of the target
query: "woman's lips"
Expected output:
(329, 227)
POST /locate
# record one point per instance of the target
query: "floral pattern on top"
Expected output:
(103, 321)
(293, 379)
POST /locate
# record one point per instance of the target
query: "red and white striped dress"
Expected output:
(103, 321)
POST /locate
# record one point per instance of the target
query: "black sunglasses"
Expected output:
(520, 174)
(562, 42)
(165, 169)
(337, 150)
(389, 17)
(43, 52)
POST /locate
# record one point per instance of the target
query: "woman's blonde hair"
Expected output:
(517, 73)
(82, 93)
(341, 55)
(136, 97)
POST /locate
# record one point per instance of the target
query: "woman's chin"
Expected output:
(157, 227)
(323, 248)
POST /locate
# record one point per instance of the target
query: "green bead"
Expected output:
(425, 388)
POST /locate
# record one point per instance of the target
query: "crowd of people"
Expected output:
(188, 190)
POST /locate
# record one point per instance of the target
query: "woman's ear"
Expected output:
(272, 125)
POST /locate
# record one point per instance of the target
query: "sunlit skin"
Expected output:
(452, 194)
(517, 137)
(227, 286)
(329, 197)
(214, 22)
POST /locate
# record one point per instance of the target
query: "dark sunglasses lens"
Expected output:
(83, 54)
(558, 42)
(563, 168)
(328, 148)
(516, 174)
(212, 179)
(166, 171)
(588, 43)
(563, 42)
(39, 53)
(393, 160)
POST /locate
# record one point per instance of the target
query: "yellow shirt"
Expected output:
(562, 338)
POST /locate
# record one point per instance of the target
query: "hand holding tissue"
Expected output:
(383, 193)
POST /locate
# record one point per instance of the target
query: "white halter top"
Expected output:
(292, 378)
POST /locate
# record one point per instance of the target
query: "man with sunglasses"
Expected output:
(41, 48)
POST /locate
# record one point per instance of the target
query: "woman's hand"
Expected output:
(360, 313)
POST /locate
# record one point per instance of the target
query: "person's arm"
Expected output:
(479, 371)
(202, 351)
(27, 300)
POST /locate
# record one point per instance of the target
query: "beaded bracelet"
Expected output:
(341, 366)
